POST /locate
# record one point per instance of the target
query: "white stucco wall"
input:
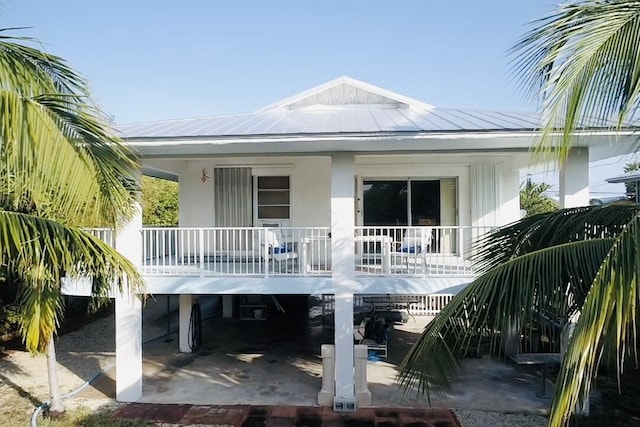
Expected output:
(196, 197)
(311, 183)
(311, 192)
(310, 187)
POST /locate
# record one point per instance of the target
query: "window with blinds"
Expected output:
(273, 198)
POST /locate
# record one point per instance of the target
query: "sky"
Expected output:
(152, 60)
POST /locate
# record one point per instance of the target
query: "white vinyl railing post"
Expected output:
(245, 251)
(265, 244)
(201, 250)
(143, 261)
(303, 262)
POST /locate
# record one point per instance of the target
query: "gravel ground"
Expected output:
(497, 419)
(83, 353)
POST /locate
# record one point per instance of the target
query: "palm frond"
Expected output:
(32, 149)
(40, 306)
(607, 322)
(42, 252)
(49, 124)
(584, 61)
(114, 163)
(548, 282)
(550, 229)
(30, 71)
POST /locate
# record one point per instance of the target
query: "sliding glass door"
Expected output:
(405, 203)
(414, 203)
(385, 203)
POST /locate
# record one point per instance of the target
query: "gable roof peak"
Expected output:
(346, 92)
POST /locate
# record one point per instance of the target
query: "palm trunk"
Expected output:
(56, 407)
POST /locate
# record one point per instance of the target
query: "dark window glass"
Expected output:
(425, 202)
(273, 212)
(385, 203)
(273, 183)
(273, 197)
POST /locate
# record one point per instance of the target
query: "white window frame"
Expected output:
(360, 193)
(270, 222)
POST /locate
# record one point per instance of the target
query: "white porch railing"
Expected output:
(443, 251)
(419, 305)
(107, 235)
(236, 251)
(428, 305)
(416, 251)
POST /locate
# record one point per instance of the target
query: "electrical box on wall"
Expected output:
(344, 404)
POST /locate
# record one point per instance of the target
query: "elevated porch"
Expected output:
(260, 252)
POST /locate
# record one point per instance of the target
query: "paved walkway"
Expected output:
(285, 416)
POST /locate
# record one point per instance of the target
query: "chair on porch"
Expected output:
(277, 251)
(415, 245)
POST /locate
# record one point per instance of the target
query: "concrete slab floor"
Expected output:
(277, 362)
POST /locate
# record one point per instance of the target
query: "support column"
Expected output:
(129, 318)
(510, 209)
(184, 314)
(343, 275)
(574, 192)
(582, 408)
(574, 179)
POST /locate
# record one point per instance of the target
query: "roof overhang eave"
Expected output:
(344, 136)
(629, 177)
(375, 136)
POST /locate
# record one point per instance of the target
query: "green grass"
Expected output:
(82, 416)
(85, 417)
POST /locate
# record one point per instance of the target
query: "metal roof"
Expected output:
(632, 176)
(343, 105)
(370, 120)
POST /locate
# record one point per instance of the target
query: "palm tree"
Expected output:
(534, 201)
(60, 168)
(582, 62)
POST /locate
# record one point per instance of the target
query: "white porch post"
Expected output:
(184, 314)
(574, 179)
(129, 319)
(343, 275)
(510, 209)
(574, 192)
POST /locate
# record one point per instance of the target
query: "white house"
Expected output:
(344, 189)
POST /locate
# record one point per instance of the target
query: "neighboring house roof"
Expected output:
(343, 105)
(632, 176)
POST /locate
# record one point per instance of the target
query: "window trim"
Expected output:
(407, 179)
(283, 222)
